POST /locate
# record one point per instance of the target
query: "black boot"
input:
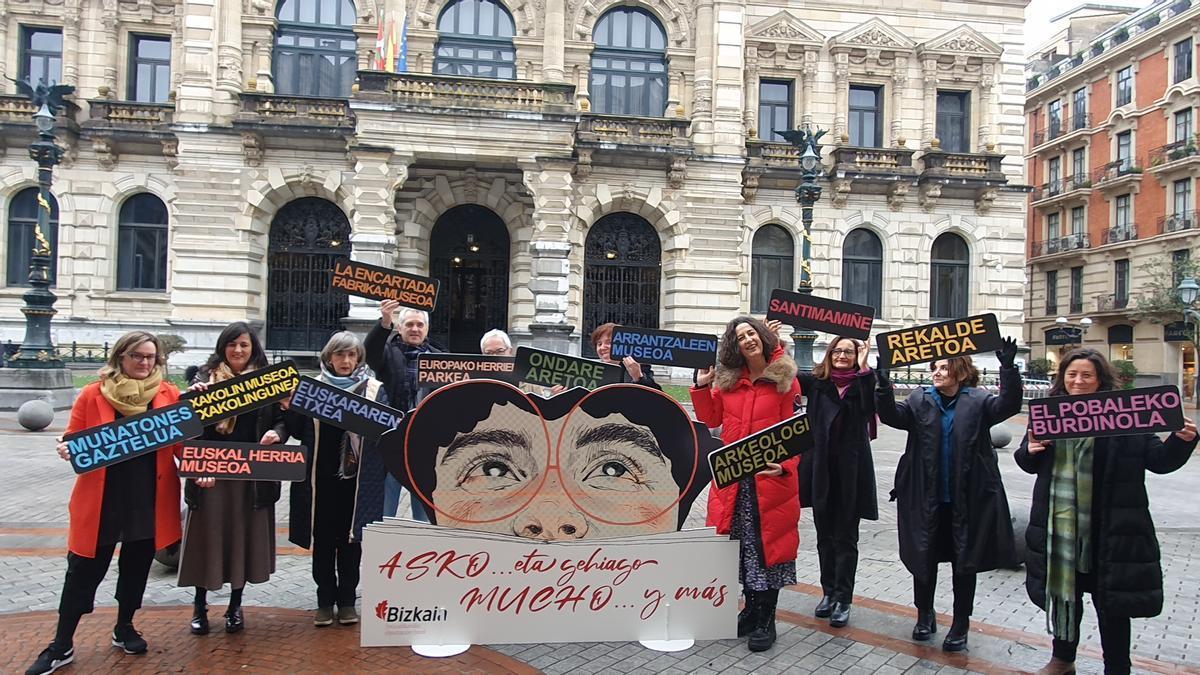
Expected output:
(956, 639)
(840, 615)
(763, 637)
(199, 619)
(748, 617)
(926, 625)
(824, 607)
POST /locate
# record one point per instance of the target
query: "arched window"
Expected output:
(315, 48)
(142, 244)
(862, 269)
(22, 217)
(475, 38)
(772, 262)
(629, 65)
(949, 279)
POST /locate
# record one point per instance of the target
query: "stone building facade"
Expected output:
(556, 163)
(1112, 111)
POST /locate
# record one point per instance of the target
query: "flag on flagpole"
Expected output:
(402, 63)
(377, 64)
(389, 51)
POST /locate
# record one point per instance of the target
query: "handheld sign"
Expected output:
(1124, 412)
(828, 316)
(750, 455)
(244, 393)
(131, 437)
(243, 461)
(664, 347)
(931, 342)
(548, 369)
(438, 369)
(336, 406)
(380, 283)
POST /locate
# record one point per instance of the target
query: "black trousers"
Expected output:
(85, 574)
(837, 546)
(1114, 634)
(335, 568)
(964, 584)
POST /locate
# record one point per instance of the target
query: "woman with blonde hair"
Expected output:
(134, 503)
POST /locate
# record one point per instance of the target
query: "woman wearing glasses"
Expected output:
(134, 503)
(230, 533)
(837, 477)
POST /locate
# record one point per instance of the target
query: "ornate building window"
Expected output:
(475, 39)
(40, 58)
(629, 65)
(772, 265)
(862, 269)
(950, 278)
(142, 244)
(22, 217)
(149, 68)
(315, 48)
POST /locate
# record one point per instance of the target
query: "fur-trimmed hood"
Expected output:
(781, 370)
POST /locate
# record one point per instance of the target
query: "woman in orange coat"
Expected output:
(134, 503)
(756, 388)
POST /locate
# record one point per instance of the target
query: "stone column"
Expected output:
(258, 39)
(987, 81)
(194, 102)
(841, 86)
(729, 130)
(899, 80)
(702, 103)
(4, 15)
(70, 33)
(229, 59)
(554, 41)
(930, 82)
(808, 75)
(111, 58)
(378, 174)
(752, 91)
(550, 183)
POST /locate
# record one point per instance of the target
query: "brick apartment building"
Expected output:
(1111, 111)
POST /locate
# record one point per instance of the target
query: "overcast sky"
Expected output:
(1039, 12)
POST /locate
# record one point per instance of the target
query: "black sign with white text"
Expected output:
(131, 437)
(664, 347)
(334, 405)
(549, 369)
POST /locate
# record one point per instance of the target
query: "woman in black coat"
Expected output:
(1111, 552)
(633, 372)
(837, 476)
(950, 502)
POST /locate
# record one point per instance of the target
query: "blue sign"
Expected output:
(131, 437)
(336, 406)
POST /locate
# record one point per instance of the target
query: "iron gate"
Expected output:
(622, 270)
(307, 235)
(469, 249)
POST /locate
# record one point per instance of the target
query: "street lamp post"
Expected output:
(1188, 290)
(807, 194)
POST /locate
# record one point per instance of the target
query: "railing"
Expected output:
(1071, 242)
(1177, 222)
(1062, 127)
(17, 109)
(1172, 152)
(642, 131)
(963, 163)
(332, 112)
(774, 154)
(1120, 233)
(1118, 169)
(1062, 186)
(74, 354)
(874, 158)
(1111, 302)
(420, 89)
(131, 113)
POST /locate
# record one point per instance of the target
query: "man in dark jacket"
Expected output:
(950, 502)
(393, 357)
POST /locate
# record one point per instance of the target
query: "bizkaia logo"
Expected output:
(391, 614)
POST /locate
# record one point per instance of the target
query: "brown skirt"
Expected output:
(226, 540)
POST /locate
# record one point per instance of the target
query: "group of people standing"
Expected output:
(1090, 527)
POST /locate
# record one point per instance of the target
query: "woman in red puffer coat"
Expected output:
(756, 388)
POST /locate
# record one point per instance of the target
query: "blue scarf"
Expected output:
(360, 375)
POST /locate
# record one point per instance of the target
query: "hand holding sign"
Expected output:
(387, 308)
(773, 470)
(1035, 446)
(1007, 354)
(1188, 433)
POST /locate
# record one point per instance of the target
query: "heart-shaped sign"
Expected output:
(617, 461)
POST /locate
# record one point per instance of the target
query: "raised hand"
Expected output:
(881, 376)
(1007, 354)
(1188, 433)
(704, 377)
(386, 309)
(634, 368)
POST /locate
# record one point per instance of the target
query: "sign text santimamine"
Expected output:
(823, 314)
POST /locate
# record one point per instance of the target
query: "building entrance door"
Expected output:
(622, 269)
(306, 236)
(469, 254)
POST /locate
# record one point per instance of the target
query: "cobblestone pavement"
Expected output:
(1009, 630)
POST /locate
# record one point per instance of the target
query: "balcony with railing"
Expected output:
(1112, 302)
(1118, 175)
(1178, 222)
(1120, 233)
(441, 92)
(128, 121)
(1072, 242)
(16, 112)
(287, 115)
(862, 163)
(1072, 186)
(1172, 156)
(1059, 129)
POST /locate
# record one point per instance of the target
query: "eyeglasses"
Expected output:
(496, 352)
(844, 352)
(141, 358)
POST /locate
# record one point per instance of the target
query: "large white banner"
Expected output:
(426, 585)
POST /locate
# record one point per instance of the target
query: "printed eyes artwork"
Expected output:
(617, 461)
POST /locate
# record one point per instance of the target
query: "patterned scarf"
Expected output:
(222, 373)
(1069, 540)
(350, 453)
(129, 396)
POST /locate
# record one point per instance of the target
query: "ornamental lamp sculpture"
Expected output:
(807, 193)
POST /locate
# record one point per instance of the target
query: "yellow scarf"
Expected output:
(222, 373)
(129, 396)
